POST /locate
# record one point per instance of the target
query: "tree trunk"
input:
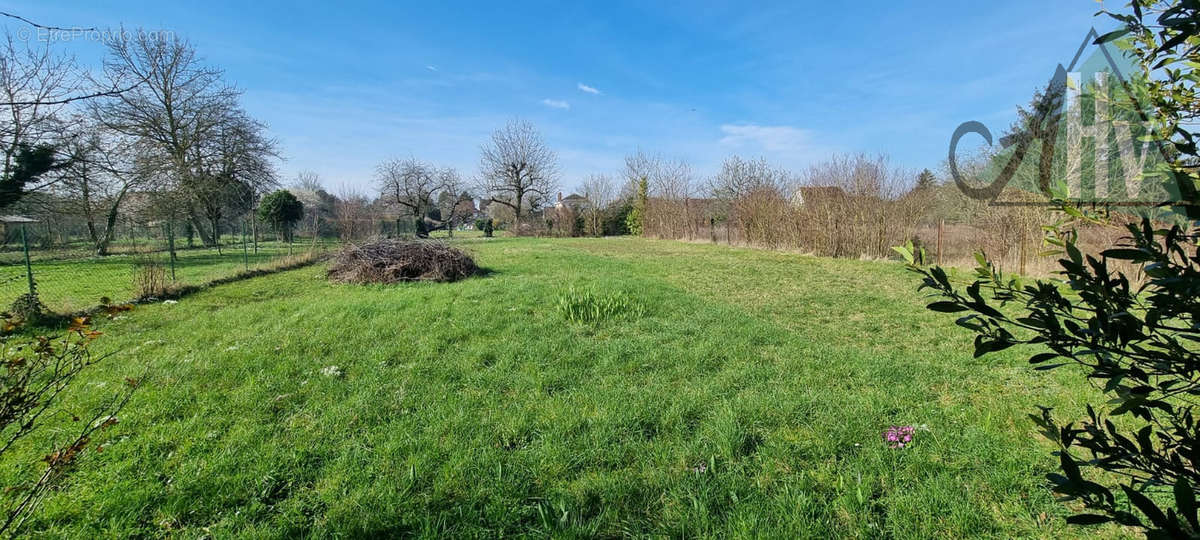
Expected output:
(215, 221)
(94, 237)
(102, 242)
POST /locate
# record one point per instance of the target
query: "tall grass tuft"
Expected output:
(590, 306)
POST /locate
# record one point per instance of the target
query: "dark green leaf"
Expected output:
(1111, 36)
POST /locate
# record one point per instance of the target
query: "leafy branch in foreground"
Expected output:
(35, 374)
(1137, 341)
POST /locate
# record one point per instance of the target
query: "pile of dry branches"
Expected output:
(391, 261)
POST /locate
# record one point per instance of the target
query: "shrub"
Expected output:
(392, 261)
(1136, 342)
(589, 306)
(616, 219)
(282, 210)
(635, 220)
(28, 308)
(1136, 339)
(149, 279)
(36, 373)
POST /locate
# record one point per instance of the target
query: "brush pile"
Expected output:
(393, 261)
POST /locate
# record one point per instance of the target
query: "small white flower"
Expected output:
(331, 371)
(231, 348)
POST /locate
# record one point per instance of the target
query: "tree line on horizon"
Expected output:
(158, 139)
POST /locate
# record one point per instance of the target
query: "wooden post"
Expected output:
(941, 225)
(1023, 235)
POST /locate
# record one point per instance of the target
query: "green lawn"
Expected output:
(747, 399)
(69, 284)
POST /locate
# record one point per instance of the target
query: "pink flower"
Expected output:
(898, 436)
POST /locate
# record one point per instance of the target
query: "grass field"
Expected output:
(730, 392)
(69, 284)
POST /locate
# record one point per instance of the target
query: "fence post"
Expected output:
(171, 246)
(28, 266)
(245, 252)
(1023, 235)
(941, 225)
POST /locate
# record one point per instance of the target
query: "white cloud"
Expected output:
(431, 68)
(588, 89)
(768, 138)
(556, 103)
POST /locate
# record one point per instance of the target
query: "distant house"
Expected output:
(817, 194)
(573, 201)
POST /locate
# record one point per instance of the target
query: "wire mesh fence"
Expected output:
(62, 266)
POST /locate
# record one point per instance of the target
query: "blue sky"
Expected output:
(344, 85)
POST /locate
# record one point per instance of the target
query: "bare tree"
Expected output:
(181, 106)
(517, 169)
(451, 198)
(308, 180)
(33, 84)
(235, 170)
(740, 177)
(351, 213)
(318, 203)
(409, 184)
(600, 192)
(102, 170)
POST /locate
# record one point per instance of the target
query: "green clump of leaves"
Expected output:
(1136, 339)
(588, 306)
(1135, 333)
